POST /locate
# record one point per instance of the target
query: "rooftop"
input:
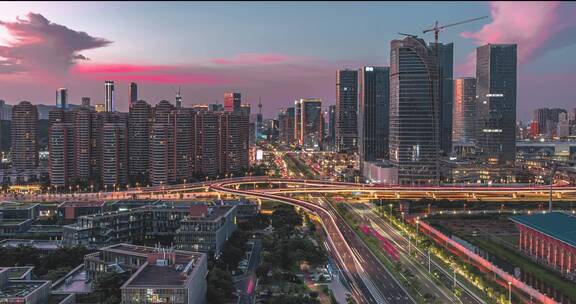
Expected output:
(182, 257)
(83, 204)
(38, 244)
(158, 276)
(13, 222)
(20, 289)
(5, 205)
(558, 225)
(213, 212)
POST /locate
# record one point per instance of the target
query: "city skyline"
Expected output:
(257, 61)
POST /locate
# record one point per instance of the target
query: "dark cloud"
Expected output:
(41, 46)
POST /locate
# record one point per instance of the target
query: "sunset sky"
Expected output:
(276, 51)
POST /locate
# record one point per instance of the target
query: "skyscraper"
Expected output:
(161, 154)
(62, 98)
(464, 113)
(206, 139)
(298, 122)
(140, 120)
(445, 91)
(496, 103)
(311, 124)
(82, 143)
(24, 136)
(109, 102)
(332, 125)
(183, 145)
(85, 101)
(346, 110)
(162, 149)
(232, 102)
(233, 143)
(373, 112)
(414, 111)
(286, 125)
(114, 155)
(61, 160)
(133, 92)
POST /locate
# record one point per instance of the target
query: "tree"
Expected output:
(233, 250)
(108, 286)
(220, 286)
(285, 219)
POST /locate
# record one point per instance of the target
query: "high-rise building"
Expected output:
(445, 91)
(24, 136)
(298, 122)
(85, 101)
(414, 111)
(346, 110)
(100, 107)
(82, 143)
(373, 112)
(311, 124)
(183, 144)
(114, 155)
(140, 120)
(61, 160)
(206, 139)
(62, 98)
(245, 109)
(161, 154)
(133, 94)
(464, 113)
(233, 158)
(563, 126)
(496, 103)
(109, 102)
(232, 102)
(331, 129)
(286, 125)
(162, 148)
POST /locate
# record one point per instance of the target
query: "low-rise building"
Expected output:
(70, 211)
(550, 239)
(150, 221)
(15, 210)
(158, 275)
(206, 228)
(245, 209)
(16, 287)
(43, 246)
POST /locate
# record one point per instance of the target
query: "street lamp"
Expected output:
(509, 292)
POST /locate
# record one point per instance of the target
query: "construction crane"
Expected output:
(437, 28)
(408, 35)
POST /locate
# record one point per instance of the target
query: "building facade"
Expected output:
(464, 114)
(232, 102)
(373, 113)
(496, 103)
(24, 136)
(346, 110)
(414, 112)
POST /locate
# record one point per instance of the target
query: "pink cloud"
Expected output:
(148, 73)
(256, 59)
(42, 47)
(116, 68)
(537, 27)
